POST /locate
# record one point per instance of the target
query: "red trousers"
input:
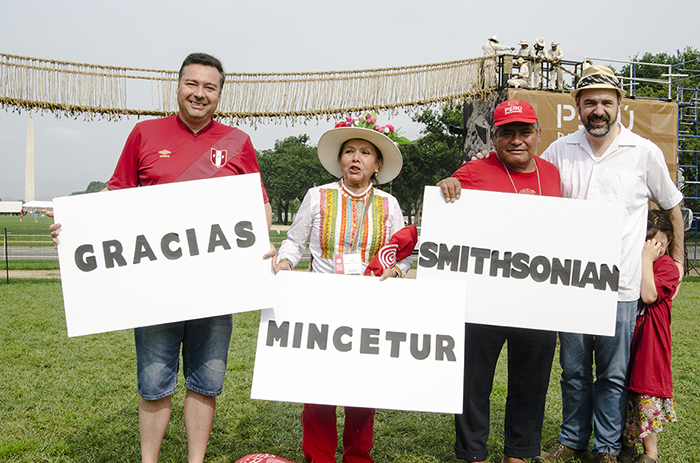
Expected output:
(320, 436)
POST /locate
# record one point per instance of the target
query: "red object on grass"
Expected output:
(262, 458)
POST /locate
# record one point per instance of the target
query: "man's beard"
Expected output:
(600, 131)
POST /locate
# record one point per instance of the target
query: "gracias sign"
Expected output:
(113, 251)
(164, 253)
(527, 261)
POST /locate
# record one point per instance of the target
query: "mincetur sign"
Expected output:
(527, 261)
(165, 253)
(357, 341)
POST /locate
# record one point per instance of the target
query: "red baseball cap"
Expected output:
(514, 111)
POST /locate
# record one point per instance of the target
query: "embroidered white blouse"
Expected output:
(328, 219)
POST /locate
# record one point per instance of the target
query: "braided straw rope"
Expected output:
(72, 89)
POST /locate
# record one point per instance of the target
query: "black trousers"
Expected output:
(530, 354)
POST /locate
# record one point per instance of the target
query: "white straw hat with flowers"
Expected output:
(384, 137)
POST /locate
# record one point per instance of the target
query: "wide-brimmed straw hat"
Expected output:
(598, 77)
(331, 142)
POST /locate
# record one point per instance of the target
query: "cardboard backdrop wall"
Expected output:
(652, 119)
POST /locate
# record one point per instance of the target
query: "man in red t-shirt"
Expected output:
(187, 146)
(514, 169)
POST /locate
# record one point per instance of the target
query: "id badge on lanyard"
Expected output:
(348, 264)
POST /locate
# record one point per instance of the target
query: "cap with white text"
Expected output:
(514, 111)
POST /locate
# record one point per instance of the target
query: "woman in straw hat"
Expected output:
(347, 223)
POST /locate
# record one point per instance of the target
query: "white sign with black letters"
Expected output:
(165, 253)
(355, 341)
(527, 261)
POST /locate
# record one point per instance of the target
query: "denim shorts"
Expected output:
(205, 345)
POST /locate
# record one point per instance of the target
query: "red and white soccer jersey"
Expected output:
(166, 151)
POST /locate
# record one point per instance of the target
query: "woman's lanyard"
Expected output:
(361, 224)
(351, 263)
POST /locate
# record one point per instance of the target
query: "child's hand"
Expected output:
(652, 250)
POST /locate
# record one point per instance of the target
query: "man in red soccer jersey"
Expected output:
(187, 146)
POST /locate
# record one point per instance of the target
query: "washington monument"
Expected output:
(29, 174)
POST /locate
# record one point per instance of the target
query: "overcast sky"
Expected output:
(286, 35)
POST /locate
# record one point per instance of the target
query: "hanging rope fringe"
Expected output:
(74, 89)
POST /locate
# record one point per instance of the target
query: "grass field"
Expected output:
(26, 226)
(74, 399)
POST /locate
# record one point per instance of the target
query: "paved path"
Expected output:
(32, 274)
(29, 253)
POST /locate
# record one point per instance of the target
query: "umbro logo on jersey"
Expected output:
(218, 157)
(164, 153)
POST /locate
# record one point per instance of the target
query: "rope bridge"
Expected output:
(80, 89)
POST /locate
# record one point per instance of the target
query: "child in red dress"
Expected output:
(650, 402)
